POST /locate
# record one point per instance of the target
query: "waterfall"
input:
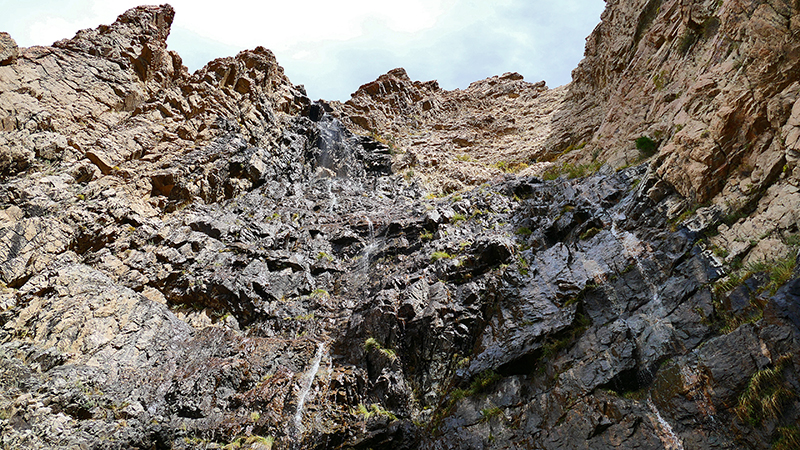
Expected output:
(332, 197)
(668, 437)
(308, 381)
(370, 246)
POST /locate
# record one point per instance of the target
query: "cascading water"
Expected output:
(337, 150)
(332, 197)
(668, 437)
(308, 381)
(370, 247)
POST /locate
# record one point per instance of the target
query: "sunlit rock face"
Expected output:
(212, 260)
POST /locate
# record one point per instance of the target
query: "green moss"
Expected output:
(320, 293)
(372, 344)
(426, 236)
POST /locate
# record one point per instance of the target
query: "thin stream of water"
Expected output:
(669, 438)
(307, 383)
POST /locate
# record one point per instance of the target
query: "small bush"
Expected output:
(646, 146)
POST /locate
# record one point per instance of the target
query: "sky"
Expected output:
(332, 47)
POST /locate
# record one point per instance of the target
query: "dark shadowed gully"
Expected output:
(213, 260)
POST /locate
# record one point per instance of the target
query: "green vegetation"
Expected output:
(372, 344)
(554, 344)
(458, 218)
(660, 80)
(571, 170)
(435, 256)
(766, 394)
(265, 442)
(426, 236)
(373, 410)
(523, 231)
(320, 293)
(675, 222)
(323, 255)
(789, 439)
(489, 413)
(646, 146)
(481, 383)
(590, 233)
(465, 158)
(779, 272)
(511, 167)
(388, 141)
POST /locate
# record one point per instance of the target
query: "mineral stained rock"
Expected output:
(213, 260)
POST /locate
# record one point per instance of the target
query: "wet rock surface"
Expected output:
(215, 261)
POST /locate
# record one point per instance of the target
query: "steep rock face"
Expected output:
(214, 261)
(712, 82)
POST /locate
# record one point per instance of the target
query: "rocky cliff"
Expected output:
(212, 260)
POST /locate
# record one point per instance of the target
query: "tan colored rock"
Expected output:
(8, 49)
(707, 79)
(454, 139)
(28, 245)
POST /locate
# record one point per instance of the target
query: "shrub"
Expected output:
(646, 146)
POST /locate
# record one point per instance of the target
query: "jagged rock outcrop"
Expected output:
(211, 260)
(454, 139)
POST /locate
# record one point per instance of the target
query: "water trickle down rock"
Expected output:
(307, 382)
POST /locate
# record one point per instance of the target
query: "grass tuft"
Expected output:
(766, 394)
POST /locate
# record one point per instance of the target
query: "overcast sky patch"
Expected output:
(334, 47)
